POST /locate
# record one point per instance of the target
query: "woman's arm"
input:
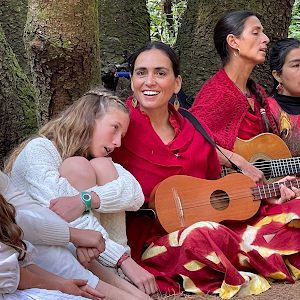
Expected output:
(246, 167)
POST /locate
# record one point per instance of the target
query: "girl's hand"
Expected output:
(144, 280)
(79, 287)
(86, 255)
(69, 208)
(286, 193)
(87, 238)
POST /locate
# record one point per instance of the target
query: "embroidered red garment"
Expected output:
(222, 107)
(288, 126)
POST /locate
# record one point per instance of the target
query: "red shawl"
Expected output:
(222, 107)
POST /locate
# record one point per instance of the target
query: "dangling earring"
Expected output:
(134, 102)
(279, 88)
(236, 53)
(176, 103)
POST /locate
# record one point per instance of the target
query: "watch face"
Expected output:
(86, 196)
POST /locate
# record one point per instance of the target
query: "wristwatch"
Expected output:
(86, 199)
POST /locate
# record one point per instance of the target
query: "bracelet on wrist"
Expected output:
(86, 199)
(122, 259)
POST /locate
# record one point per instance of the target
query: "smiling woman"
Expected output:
(66, 169)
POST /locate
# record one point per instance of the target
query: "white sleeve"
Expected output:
(9, 269)
(39, 163)
(40, 225)
(122, 194)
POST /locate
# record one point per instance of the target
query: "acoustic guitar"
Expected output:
(269, 153)
(181, 200)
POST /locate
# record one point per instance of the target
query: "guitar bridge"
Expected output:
(179, 208)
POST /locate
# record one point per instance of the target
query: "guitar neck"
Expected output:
(286, 166)
(273, 189)
(273, 168)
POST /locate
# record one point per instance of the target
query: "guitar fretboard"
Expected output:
(273, 189)
(286, 166)
(273, 168)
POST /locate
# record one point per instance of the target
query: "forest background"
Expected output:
(51, 52)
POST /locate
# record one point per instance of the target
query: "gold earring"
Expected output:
(176, 103)
(134, 102)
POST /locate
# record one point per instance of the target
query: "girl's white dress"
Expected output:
(10, 277)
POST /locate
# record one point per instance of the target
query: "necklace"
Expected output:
(248, 96)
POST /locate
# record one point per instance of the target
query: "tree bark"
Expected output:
(62, 41)
(199, 59)
(17, 101)
(124, 27)
(13, 14)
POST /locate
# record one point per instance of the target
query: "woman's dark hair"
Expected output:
(162, 47)
(233, 22)
(278, 54)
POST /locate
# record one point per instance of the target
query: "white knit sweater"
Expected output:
(36, 170)
(40, 225)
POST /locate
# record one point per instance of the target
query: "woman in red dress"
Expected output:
(205, 257)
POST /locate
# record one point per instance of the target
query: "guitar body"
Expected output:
(269, 153)
(265, 146)
(182, 200)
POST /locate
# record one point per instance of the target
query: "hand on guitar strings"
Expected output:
(286, 194)
(247, 168)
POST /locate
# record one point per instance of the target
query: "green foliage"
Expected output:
(161, 30)
(160, 27)
(294, 29)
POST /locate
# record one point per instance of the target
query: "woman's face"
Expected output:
(153, 81)
(252, 43)
(290, 75)
(108, 132)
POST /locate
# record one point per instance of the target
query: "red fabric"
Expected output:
(288, 126)
(222, 107)
(150, 161)
(251, 126)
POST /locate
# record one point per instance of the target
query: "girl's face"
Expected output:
(153, 81)
(252, 43)
(108, 132)
(290, 75)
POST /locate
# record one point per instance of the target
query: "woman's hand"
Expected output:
(69, 208)
(79, 287)
(248, 169)
(144, 280)
(286, 193)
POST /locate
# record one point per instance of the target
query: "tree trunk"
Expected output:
(13, 15)
(17, 101)
(124, 27)
(199, 59)
(62, 41)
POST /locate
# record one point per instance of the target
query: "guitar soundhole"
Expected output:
(219, 200)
